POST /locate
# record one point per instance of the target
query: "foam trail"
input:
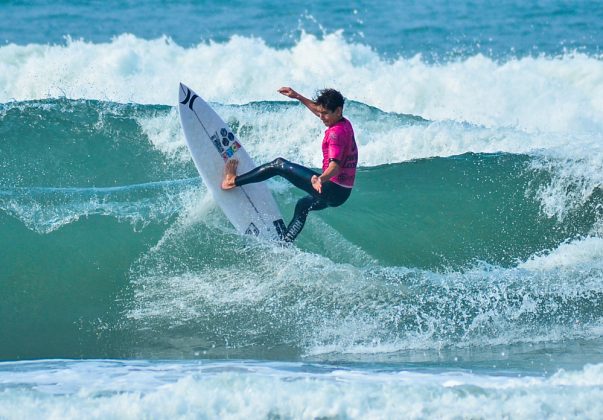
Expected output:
(45, 210)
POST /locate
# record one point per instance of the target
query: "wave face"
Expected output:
(113, 247)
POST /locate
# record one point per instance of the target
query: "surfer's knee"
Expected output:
(279, 162)
(304, 205)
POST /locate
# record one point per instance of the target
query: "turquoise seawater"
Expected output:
(463, 278)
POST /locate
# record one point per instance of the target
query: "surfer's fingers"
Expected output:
(287, 91)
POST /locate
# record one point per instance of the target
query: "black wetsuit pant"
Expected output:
(332, 195)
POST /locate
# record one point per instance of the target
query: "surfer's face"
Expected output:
(328, 117)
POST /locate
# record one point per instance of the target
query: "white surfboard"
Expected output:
(251, 208)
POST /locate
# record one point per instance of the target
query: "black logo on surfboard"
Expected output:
(225, 143)
(252, 230)
(189, 99)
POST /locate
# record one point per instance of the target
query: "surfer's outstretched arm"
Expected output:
(310, 104)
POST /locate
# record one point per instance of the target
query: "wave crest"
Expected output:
(560, 94)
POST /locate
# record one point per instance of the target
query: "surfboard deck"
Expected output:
(251, 208)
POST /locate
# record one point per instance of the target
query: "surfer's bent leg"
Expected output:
(332, 195)
(302, 208)
(298, 175)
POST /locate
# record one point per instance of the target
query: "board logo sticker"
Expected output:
(225, 143)
(252, 230)
(228, 153)
(215, 139)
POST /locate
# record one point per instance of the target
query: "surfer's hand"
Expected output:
(316, 183)
(287, 91)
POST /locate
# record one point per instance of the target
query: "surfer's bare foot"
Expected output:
(230, 173)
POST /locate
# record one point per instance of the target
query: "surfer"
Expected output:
(333, 186)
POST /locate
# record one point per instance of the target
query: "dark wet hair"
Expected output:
(329, 99)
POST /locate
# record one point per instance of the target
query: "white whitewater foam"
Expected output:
(562, 94)
(45, 210)
(292, 132)
(587, 252)
(576, 170)
(132, 389)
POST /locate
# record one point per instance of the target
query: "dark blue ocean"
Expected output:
(462, 279)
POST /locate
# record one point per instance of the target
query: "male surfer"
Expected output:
(333, 186)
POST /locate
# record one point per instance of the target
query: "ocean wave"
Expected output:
(549, 94)
(391, 210)
(134, 389)
(461, 251)
(261, 298)
(39, 134)
(408, 274)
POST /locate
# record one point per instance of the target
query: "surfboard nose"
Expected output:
(183, 93)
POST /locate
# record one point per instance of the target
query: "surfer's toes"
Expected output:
(231, 167)
(230, 173)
